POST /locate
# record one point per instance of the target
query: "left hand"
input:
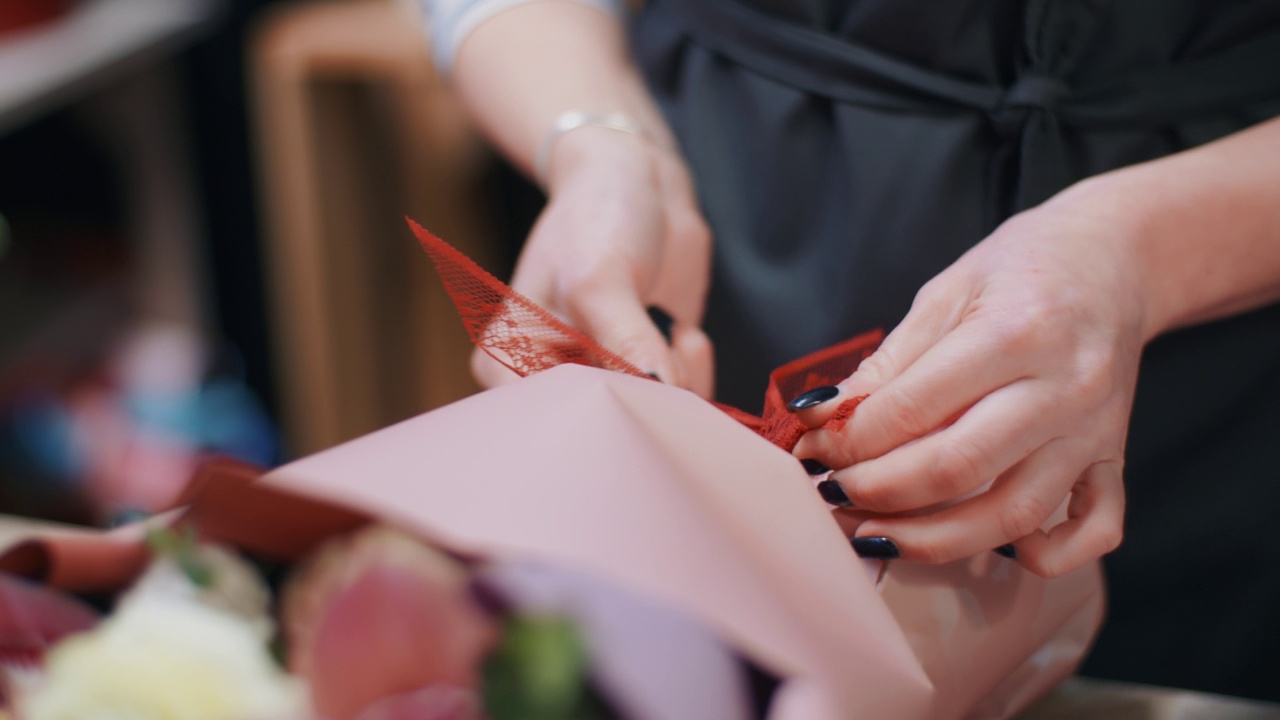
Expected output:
(621, 231)
(1005, 390)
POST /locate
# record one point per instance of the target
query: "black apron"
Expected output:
(846, 152)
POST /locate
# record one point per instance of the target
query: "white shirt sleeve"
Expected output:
(451, 21)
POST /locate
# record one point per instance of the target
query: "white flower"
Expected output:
(234, 586)
(161, 657)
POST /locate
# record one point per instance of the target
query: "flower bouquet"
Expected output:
(580, 544)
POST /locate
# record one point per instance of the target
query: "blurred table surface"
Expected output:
(55, 63)
(1080, 698)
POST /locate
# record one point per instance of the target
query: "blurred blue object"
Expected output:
(41, 432)
(221, 416)
(129, 435)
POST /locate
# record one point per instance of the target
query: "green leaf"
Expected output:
(182, 549)
(539, 672)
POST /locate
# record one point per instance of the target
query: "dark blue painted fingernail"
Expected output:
(813, 467)
(1008, 551)
(127, 516)
(875, 548)
(816, 396)
(662, 320)
(833, 492)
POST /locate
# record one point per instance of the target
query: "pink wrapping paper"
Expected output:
(655, 490)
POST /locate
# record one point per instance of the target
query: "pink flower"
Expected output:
(379, 614)
(439, 702)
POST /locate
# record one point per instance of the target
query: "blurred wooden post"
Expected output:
(355, 131)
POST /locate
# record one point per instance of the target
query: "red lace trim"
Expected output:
(526, 338)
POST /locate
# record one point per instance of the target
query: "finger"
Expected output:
(696, 357)
(490, 365)
(607, 306)
(993, 436)
(962, 368)
(849, 520)
(1093, 528)
(1016, 505)
(682, 284)
(684, 279)
(533, 276)
(925, 323)
(490, 373)
(691, 349)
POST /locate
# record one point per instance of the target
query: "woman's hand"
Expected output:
(621, 233)
(1005, 391)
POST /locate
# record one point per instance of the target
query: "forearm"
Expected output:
(1205, 224)
(521, 69)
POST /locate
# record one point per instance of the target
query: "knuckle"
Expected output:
(1107, 540)
(1044, 561)
(1037, 314)
(876, 368)
(694, 345)
(1094, 379)
(1022, 516)
(691, 229)
(933, 295)
(1024, 328)
(905, 415)
(582, 287)
(956, 468)
(1046, 567)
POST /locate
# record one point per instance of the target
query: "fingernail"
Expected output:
(813, 467)
(1008, 551)
(833, 492)
(663, 320)
(875, 548)
(655, 376)
(127, 516)
(816, 396)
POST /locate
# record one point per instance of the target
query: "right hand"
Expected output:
(621, 232)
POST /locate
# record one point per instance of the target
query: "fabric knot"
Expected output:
(1029, 92)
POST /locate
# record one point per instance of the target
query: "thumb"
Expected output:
(610, 310)
(488, 372)
(899, 350)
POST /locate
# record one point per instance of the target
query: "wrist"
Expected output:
(1123, 216)
(589, 150)
(1201, 225)
(571, 120)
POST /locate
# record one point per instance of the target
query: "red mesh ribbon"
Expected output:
(526, 338)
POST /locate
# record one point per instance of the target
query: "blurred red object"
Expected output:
(20, 14)
(33, 617)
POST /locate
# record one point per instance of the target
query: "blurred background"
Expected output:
(202, 244)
